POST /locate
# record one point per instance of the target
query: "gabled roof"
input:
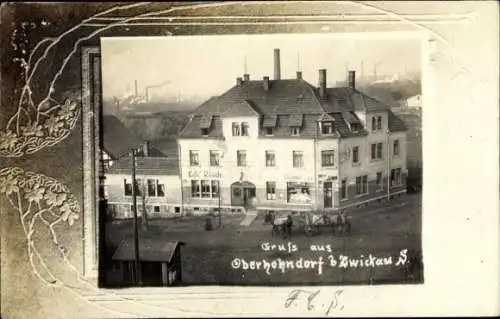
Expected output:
(117, 139)
(283, 97)
(149, 249)
(396, 124)
(146, 166)
(193, 129)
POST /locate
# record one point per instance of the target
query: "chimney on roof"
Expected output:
(266, 83)
(351, 80)
(299, 75)
(246, 77)
(322, 83)
(145, 148)
(277, 66)
(239, 80)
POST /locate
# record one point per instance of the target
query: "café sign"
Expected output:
(204, 174)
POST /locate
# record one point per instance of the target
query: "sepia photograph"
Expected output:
(264, 160)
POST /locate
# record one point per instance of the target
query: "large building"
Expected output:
(284, 144)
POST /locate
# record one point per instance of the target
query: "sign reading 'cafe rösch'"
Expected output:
(204, 174)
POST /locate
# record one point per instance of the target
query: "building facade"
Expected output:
(158, 188)
(284, 144)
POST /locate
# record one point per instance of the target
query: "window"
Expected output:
(327, 128)
(214, 158)
(396, 176)
(138, 187)
(236, 129)
(151, 187)
(241, 158)
(355, 154)
(396, 148)
(194, 158)
(376, 123)
(160, 189)
(205, 189)
(343, 189)
(358, 185)
(379, 180)
(127, 185)
(270, 159)
(195, 188)
(177, 210)
(328, 158)
(297, 192)
(364, 184)
(298, 159)
(376, 151)
(156, 209)
(269, 131)
(295, 131)
(215, 188)
(204, 131)
(244, 129)
(355, 127)
(271, 190)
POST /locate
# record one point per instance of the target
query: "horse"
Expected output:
(342, 224)
(282, 225)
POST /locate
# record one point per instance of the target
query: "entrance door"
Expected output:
(242, 193)
(328, 194)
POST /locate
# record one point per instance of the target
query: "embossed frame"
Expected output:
(154, 300)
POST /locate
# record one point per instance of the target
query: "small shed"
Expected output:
(160, 261)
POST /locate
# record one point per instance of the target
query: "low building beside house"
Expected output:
(158, 187)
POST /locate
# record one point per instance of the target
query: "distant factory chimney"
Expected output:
(146, 94)
(277, 65)
(322, 83)
(266, 83)
(145, 148)
(136, 89)
(351, 79)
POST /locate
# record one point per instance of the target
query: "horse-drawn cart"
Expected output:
(312, 223)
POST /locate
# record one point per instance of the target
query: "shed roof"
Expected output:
(149, 249)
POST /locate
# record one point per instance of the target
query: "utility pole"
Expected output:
(138, 279)
(388, 165)
(220, 215)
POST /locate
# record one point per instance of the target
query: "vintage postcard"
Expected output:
(249, 159)
(261, 160)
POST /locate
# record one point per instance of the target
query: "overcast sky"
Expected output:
(202, 66)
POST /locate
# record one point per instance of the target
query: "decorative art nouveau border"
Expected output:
(55, 120)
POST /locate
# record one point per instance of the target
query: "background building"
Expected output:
(284, 144)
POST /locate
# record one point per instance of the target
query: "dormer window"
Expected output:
(268, 124)
(327, 128)
(295, 131)
(269, 131)
(355, 127)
